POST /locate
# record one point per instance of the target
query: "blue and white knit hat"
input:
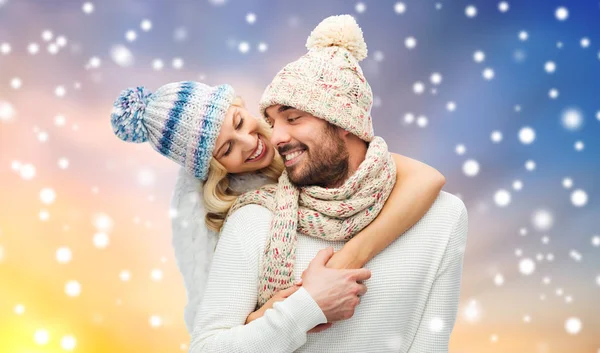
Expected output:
(181, 120)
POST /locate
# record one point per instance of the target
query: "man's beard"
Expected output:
(327, 167)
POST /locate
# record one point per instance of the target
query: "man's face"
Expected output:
(313, 150)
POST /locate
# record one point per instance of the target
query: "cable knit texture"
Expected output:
(328, 82)
(326, 213)
(410, 306)
(181, 120)
(192, 241)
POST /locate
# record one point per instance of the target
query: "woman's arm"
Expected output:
(417, 186)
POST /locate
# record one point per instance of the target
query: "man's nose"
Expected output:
(279, 135)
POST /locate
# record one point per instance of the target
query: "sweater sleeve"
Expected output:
(231, 295)
(192, 241)
(437, 322)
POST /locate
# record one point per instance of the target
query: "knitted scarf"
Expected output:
(331, 214)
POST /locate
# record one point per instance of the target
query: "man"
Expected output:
(319, 107)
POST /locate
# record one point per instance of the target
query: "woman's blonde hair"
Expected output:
(218, 197)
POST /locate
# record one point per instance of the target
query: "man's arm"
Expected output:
(439, 315)
(231, 295)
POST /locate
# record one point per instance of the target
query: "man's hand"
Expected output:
(335, 291)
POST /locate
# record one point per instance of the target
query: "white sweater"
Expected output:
(193, 242)
(410, 305)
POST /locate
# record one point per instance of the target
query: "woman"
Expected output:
(224, 151)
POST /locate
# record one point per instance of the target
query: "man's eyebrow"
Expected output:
(280, 110)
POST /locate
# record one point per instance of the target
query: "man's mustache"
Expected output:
(290, 147)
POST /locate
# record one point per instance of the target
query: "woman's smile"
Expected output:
(259, 152)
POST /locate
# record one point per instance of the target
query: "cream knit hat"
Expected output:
(327, 82)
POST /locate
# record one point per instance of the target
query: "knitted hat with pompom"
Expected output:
(327, 82)
(181, 120)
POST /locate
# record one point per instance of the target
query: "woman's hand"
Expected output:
(346, 258)
(280, 296)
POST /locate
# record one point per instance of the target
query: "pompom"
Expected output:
(339, 31)
(127, 117)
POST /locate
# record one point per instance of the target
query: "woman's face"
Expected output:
(242, 145)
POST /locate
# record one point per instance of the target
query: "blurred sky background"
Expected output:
(503, 97)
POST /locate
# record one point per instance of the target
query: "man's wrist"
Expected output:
(303, 308)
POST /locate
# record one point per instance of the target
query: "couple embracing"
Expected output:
(299, 230)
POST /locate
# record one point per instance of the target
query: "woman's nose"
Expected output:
(248, 141)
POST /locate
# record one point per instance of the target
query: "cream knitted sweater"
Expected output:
(193, 242)
(410, 305)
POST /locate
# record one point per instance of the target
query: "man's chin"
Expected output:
(295, 176)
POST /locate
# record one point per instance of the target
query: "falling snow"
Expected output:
(121, 55)
(63, 255)
(410, 42)
(479, 56)
(488, 74)
(572, 119)
(418, 87)
(530, 165)
(7, 112)
(155, 321)
(526, 135)
(72, 288)
(41, 337)
(579, 198)
(88, 8)
(502, 198)
(550, 67)
(19, 309)
(542, 220)
(400, 8)
(451, 106)
(471, 11)
(526, 266)
(517, 185)
(584, 42)
(573, 325)
(436, 85)
(101, 240)
(471, 168)
(68, 343)
(496, 136)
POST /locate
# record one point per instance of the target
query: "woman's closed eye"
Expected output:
(237, 127)
(228, 150)
(291, 120)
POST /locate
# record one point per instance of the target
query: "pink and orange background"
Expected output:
(86, 262)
